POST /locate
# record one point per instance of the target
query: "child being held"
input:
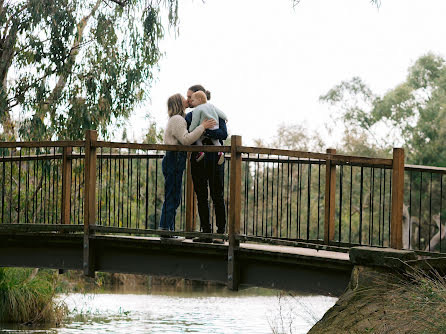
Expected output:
(204, 110)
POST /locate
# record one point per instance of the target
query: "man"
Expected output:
(207, 173)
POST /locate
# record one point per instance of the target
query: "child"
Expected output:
(204, 110)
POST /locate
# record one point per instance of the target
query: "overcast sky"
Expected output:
(266, 63)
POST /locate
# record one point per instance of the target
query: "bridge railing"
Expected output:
(424, 209)
(316, 197)
(270, 194)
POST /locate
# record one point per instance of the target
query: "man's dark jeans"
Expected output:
(173, 166)
(208, 173)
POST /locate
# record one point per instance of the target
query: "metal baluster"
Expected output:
(430, 214)
(419, 213)
(147, 192)
(27, 188)
(20, 172)
(379, 210)
(318, 197)
(267, 197)
(341, 179)
(350, 206)
(410, 208)
(156, 186)
(360, 204)
(308, 198)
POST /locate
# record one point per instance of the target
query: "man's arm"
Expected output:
(221, 133)
(188, 119)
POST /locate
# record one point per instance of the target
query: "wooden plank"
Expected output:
(396, 225)
(427, 169)
(289, 153)
(62, 143)
(234, 212)
(162, 147)
(89, 199)
(330, 191)
(66, 185)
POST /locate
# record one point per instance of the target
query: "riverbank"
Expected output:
(381, 302)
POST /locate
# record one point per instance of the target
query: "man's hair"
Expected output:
(200, 96)
(175, 105)
(200, 88)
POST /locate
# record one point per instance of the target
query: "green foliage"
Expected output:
(71, 65)
(28, 297)
(413, 113)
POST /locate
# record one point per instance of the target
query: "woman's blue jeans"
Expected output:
(173, 166)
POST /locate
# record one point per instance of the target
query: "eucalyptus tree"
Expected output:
(412, 114)
(71, 65)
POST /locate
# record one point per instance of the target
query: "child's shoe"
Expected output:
(221, 158)
(199, 156)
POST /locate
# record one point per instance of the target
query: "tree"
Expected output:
(412, 114)
(71, 65)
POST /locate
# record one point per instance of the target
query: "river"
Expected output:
(219, 311)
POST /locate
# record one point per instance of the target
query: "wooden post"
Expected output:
(396, 225)
(190, 198)
(66, 184)
(330, 191)
(89, 199)
(234, 212)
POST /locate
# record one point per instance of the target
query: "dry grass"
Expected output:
(29, 298)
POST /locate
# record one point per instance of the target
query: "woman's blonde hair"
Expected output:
(175, 105)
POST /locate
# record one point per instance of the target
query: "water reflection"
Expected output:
(189, 311)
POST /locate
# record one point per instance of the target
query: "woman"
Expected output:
(174, 163)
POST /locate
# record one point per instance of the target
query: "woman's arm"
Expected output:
(179, 131)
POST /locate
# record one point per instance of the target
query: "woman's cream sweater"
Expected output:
(176, 132)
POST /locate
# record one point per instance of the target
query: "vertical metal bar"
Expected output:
(257, 196)
(263, 195)
(147, 193)
(267, 197)
(360, 204)
(3, 184)
(318, 199)
(114, 189)
(119, 188)
(430, 214)
(384, 207)
(130, 190)
(288, 208)
(290, 232)
(27, 189)
(156, 185)
(350, 206)
(300, 178)
(379, 206)
(419, 213)
(44, 187)
(101, 162)
(10, 190)
(20, 174)
(281, 201)
(410, 209)
(55, 170)
(109, 186)
(277, 199)
(441, 205)
(272, 200)
(138, 191)
(341, 179)
(308, 198)
(245, 183)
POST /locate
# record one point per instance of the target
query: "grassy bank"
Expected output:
(414, 303)
(27, 296)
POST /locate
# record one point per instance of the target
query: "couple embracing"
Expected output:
(204, 124)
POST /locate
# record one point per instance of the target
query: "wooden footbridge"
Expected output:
(292, 216)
